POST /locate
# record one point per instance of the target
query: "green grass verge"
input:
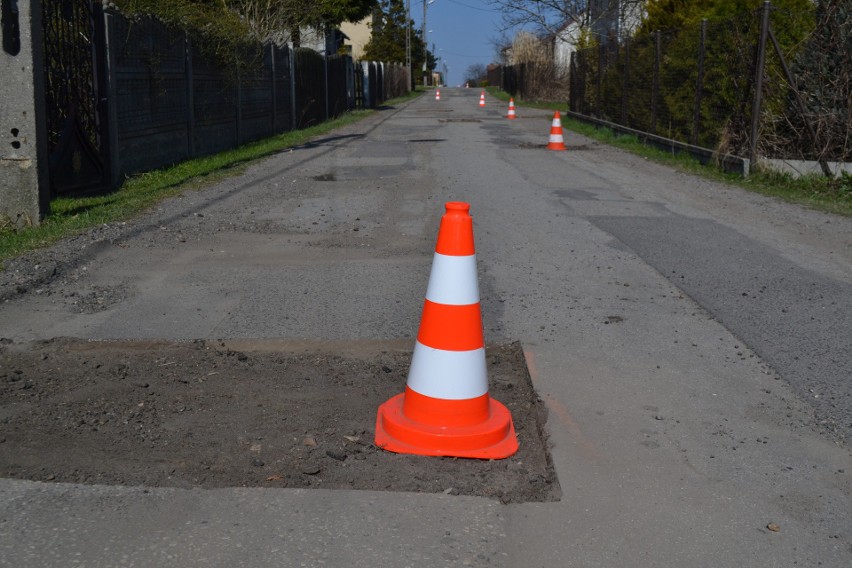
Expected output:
(816, 191)
(138, 193)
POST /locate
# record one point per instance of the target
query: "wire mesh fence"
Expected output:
(769, 83)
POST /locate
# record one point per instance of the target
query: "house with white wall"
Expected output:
(564, 44)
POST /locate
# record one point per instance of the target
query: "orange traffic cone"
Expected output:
(482, 99)
(556, 141)
(438, 95)
(511, 114)
(445, 409)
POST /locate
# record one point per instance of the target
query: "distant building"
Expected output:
(565, 43)
(349, 38)
(310, 38)
(330, 41)
(604, 19)
(614, 20)
(357, 36)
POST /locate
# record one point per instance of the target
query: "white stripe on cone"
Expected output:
(453, 280)
(556, 138)
(557, 122)
(451, 375)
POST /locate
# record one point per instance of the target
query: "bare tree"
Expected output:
(276, 20)
(475, 74)
(533, 56)
(597, 16)
(267, 19)
(502, 45)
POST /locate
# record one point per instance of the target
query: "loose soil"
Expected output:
(228, 414)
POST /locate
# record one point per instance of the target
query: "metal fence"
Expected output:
(164, 102)
(728, 86)
(660, 84)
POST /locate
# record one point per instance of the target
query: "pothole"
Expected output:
(213, 414)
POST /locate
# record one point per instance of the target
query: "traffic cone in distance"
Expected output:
(482, 99)
(511, 114)
(445, 409)
(556, 141)
(438, 95)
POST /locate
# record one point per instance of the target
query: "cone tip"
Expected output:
(457, 206)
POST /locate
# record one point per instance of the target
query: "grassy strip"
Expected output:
(815, 191)
(72, 215)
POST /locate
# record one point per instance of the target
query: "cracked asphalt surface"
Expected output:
(689, 341)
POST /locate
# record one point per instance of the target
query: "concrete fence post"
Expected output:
(24, 183)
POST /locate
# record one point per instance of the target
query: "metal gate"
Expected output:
(75, 96)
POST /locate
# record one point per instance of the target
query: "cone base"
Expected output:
(492, 439)
(556, 147)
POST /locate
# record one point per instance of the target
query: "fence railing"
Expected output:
(169, 103)
(728, 86)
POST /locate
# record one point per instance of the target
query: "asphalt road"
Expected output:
(691, 342)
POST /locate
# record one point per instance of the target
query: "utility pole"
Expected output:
(425, 49)
(434, 51)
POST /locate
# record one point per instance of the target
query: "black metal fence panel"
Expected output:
(255, 104)
(74, 72)
(213, 111)
(396, 80)
(149, 82)
(339, 71)
(138, 96)
(310, 77)
(282, 97)
(495, 78)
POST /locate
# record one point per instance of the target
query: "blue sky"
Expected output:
(462, 31)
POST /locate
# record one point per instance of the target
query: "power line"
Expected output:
(463, 54)
(473, 7)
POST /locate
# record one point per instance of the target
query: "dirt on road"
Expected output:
(232, 414)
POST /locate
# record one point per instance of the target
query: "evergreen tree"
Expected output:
(387, 42)
(733, 28)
